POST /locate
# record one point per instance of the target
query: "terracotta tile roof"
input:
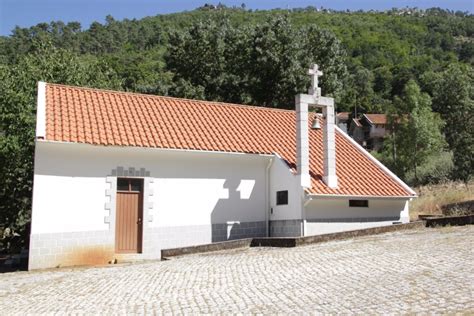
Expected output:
(377, 118)
(110, 118)
(343, 116)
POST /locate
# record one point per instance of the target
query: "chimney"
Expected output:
(303, 102)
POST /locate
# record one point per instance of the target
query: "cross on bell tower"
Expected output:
(315, 73)
(303, 102)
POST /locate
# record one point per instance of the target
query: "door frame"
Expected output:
(141, 214)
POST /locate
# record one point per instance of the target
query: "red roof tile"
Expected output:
(377, 118)
(109, 118)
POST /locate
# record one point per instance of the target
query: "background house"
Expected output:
(343, 121)
(369, 130)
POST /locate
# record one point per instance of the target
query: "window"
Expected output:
(282, 197)
(136, 185)
(358, 203)
(131, 185)
(122, 184)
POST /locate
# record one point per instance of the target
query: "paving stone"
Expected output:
(421, 271)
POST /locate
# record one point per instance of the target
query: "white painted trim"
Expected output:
(378, 163)
(158, 149)
(41, 111)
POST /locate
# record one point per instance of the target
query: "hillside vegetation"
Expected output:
(416, 66)
(431, 198)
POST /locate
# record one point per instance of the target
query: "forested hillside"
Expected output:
(416, 66)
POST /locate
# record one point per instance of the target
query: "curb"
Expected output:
(286, 242)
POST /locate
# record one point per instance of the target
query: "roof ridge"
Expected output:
(219, 103)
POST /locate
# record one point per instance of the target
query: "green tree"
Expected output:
(359, 95)
(416, 131)
(274, 63)
(453, 99)
(17, 122)
(279, 56)
(205, 58)
(263, 64)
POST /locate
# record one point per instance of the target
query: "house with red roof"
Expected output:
(369, 130)
(121, 176)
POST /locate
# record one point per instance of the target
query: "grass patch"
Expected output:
(432, 197)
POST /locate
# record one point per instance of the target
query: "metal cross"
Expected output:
(315, 73)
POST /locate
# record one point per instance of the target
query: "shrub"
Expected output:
(437, 169)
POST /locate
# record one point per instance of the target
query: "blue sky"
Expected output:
(26, 13)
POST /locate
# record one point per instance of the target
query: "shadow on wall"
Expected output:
(226, 218)
(228, 189)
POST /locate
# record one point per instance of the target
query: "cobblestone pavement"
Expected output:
(419, 271)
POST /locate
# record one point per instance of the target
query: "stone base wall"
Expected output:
(70, 249)
(286, 228)
(98, 247)
(335, 225)
(237, 230)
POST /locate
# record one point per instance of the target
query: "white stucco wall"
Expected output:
(327, 215)
(281, 179)
(190, 188)
(68, 204)
(197, 189)
(190, 198)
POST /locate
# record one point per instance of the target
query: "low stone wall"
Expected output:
(467, 207)
(299, 241)
(356, 233)
(225, 245)
(287, 241)
(283, 242)
(450, 220)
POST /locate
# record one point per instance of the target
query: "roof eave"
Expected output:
(314, 196)
(68, 143)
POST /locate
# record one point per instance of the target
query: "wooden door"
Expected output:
(129, 215)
